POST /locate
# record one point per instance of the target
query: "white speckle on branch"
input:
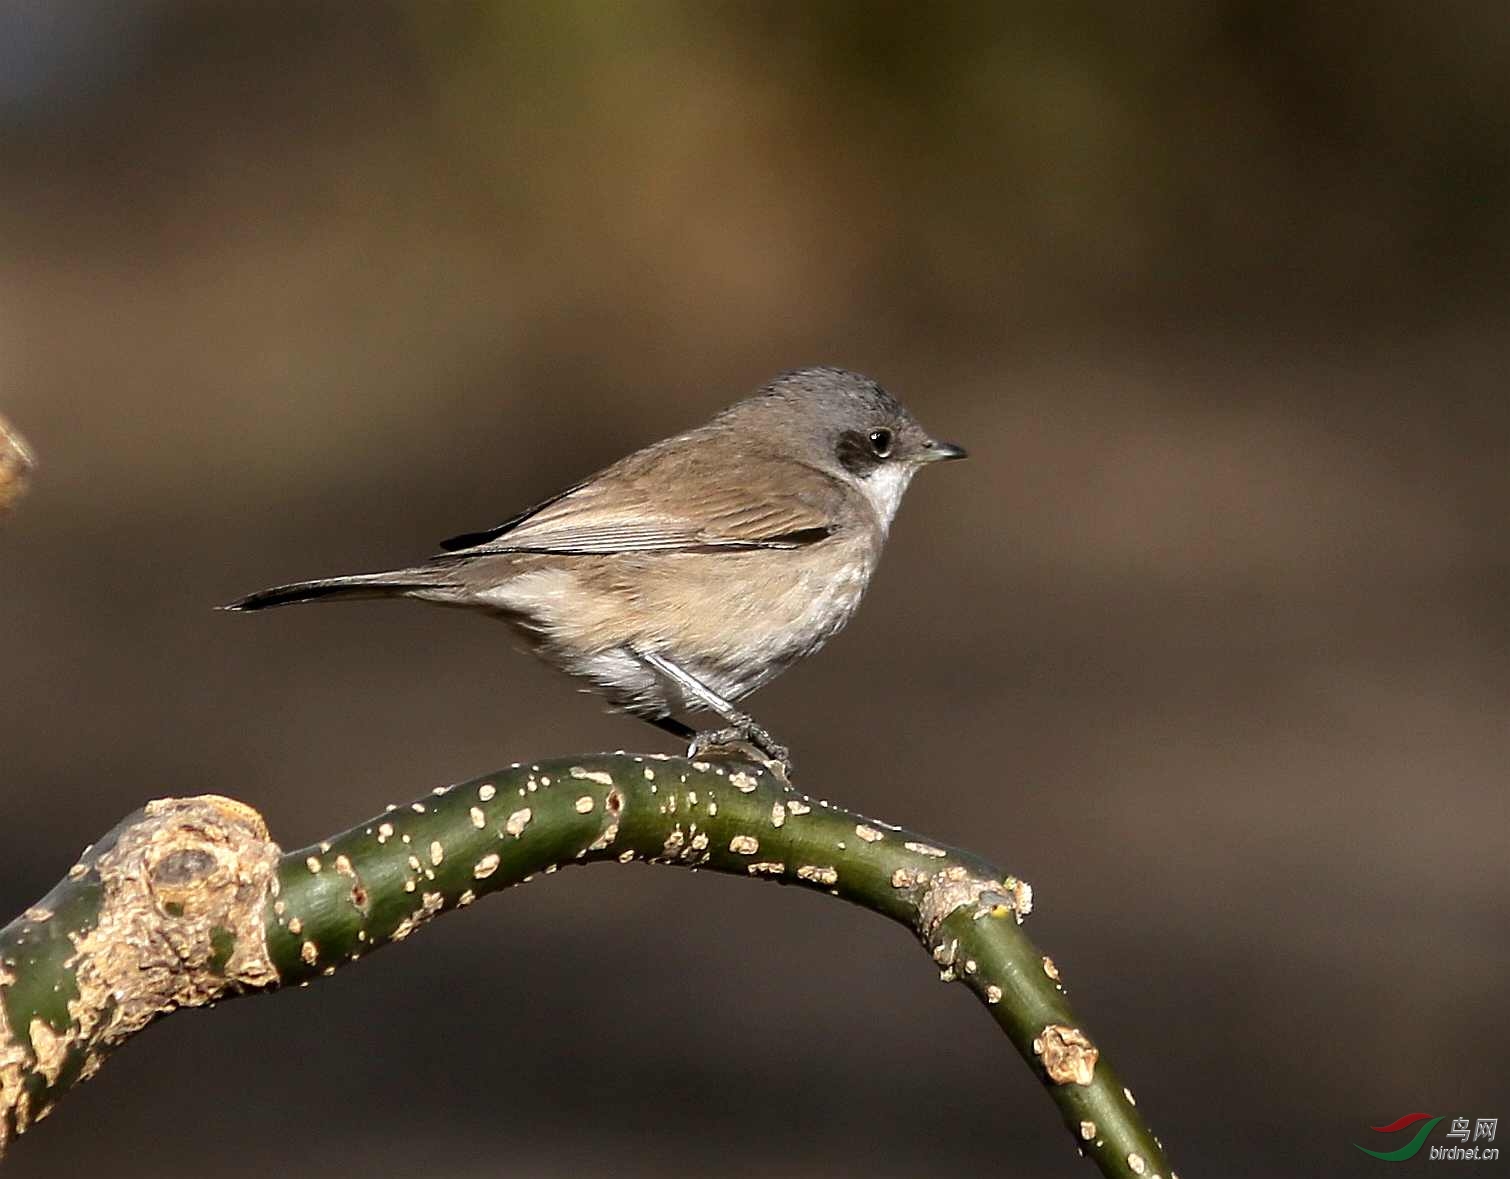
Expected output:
(610, 833)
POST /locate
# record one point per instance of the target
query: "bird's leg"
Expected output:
(669, 724)
(742, 726)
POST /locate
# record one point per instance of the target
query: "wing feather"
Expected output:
(673, 500)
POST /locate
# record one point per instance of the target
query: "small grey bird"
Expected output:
(692, 572)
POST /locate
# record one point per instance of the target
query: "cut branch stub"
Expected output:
(166, 911)
(188, 902)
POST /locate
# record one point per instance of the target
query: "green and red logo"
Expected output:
(1410, 1149)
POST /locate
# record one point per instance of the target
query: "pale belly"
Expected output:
(734, 621)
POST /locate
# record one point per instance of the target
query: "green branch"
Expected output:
(188, 901)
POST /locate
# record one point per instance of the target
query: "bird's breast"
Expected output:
(734, 620)
(742, 626)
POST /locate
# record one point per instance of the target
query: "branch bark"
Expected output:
(188, 901)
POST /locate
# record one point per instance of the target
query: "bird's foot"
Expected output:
(740, 741)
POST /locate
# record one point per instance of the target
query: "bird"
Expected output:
(694, 571)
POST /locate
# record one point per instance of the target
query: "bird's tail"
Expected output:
(360, 585)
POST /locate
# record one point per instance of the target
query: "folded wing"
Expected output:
(659, 502)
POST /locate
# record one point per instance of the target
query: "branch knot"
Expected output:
(181, 918)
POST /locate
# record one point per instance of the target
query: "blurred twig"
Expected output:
(188, 901)
(16, 463)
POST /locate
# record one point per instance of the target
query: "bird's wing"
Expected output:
(468, 540)
(649, 504)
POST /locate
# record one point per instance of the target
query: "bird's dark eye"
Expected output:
(880, 443)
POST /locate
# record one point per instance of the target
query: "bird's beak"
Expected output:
(937, 452)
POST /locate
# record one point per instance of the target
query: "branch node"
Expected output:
(1067, 1054)
(181, 919)
(947, 892)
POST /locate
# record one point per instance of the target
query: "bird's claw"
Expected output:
(740, 740)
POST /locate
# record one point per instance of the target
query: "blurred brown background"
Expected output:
(1208, 640)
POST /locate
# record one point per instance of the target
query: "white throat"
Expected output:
(884, 487)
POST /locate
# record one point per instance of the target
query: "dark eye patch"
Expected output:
(855, 453)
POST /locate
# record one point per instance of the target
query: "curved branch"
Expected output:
(188, 901)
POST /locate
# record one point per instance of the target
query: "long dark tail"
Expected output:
(361, 585)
